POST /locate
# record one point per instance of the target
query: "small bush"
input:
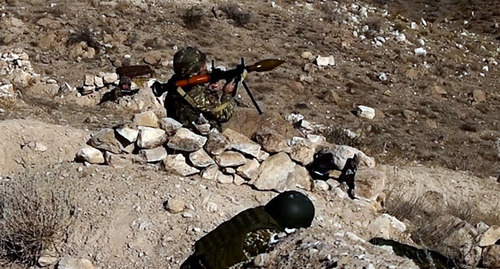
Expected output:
(83, 34)
(32, 218)
(193, 17)
(238, 15)
(340, 136)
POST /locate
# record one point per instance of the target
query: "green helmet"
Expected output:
(188, 61)
(291, 209)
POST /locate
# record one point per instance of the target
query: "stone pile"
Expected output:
(271, 163)
(102, 81)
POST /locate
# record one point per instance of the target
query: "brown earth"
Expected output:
(423, 132)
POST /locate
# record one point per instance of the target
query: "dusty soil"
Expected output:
(121, 222)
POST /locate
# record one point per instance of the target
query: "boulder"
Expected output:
(342, 153)
(249, 170)
(149, 138)
(369, 183)
(241, 143)
(270, 140)
(299, 178)
(302, 150)
(177, 164)
(216, 143)
(210, 173)
(230, 159)
(185, 140)
(490, 237)
(148, 119)
(90, 154)
(387, 227)
(169, 125)
(200, 158)
(129, 134)
(106, 140)
(174, 205)
(153, 155)
(274, 172)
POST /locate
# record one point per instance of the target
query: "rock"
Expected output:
(249, 170)
(177, 164)
(420, 52)
(342, 153)
(241, 143)
(270, 140)
(117, 160)
(238, 181)
(87, 89)
(185, 140)
(90, 154)
(229, 171)
(203, 129)
(110, 78)
(169, 125)
(438, 93)
(106, 140)
(47, 260)
(174, 205)
(230, 159)
(210, 173)
(147, 119)
(223, 178)
(89, 80)
(387, 227)
(6, 90)
(152, 59)
(320, 185)
(216, 143)
(332, 97)
(128, 134)
(44, 89)
(74, 263)
(274, 172)
(325, 61)
(302, 150)
(153, 155)
(149, 138)
(478, 96)
(262, 156)
(369, 183)
(299, 178)
(490, 237)
(201, 159)
(491, 256)
(307, 55)
(98, 81)
(365, 112)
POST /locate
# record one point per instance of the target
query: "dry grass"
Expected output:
(239, 16)
(193, 17)
(34, 217)
(340, 136)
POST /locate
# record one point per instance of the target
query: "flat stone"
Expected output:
(200, 158)
(325, 61)
(169, 125)
(98, 82)
(223, 178)
(177, 164)
(74, 263)
(210, 173)
(249, 170)
(110, 78)
(273, 172)
(302, 150)
(216, 143)
(47, 260)
(365, 112)
(89, 80)
(153, 155)
(320, 185)
(238, 181)
(90, 154)
(185, 140)
(148, 119)
(490, 237)
(106, 140)
(230, 159)
(270, 140)
(117, 160)
(149, 138)
(128, 134)
(369, 183)
(241, 143)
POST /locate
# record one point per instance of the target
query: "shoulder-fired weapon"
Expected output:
(238, 74)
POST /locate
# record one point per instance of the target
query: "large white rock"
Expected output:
(150, 137)
(153, 155)
(210, 173)
(169, 125)
(490, 237)
(201, 159)
(216, 143)
(365, 112)
(177, 164)
(343, 152)
(110, 78)
(128, 133)
(369, 183)
(302, 150)
(148, 119)
(90, 155)
(106, 140)
(274, 172)
(299, 178)
(387, 227)
(223, 178)
(242, 143)
(186, 140)
(230, 159)
(325, 61)
(6, 90)
(249, 170)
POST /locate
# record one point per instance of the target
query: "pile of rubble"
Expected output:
(271, 163)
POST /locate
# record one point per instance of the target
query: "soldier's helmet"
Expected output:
(188, 61)
(291, 209)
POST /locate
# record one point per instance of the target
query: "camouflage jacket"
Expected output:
(214, 106)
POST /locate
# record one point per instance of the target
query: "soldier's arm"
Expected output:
(207, 102)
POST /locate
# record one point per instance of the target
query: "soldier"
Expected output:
(191, 104)
(250, 232)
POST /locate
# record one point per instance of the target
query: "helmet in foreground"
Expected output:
(188, 61)
(291, 209)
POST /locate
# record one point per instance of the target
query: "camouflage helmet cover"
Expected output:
(188, 61)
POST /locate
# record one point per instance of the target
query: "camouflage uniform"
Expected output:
(214, 106)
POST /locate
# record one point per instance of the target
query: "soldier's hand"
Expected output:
(229, 87)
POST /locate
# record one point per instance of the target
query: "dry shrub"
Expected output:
(340, 136)
(193, 17)
(329, 9)
(83, 34)
(33, 218)
(238, 15)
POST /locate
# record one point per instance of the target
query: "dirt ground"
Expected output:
(437, 114)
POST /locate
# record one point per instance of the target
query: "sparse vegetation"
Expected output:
(33, 218)
(193, 17)
(83, 34)
(238, 15)
(341, 136)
